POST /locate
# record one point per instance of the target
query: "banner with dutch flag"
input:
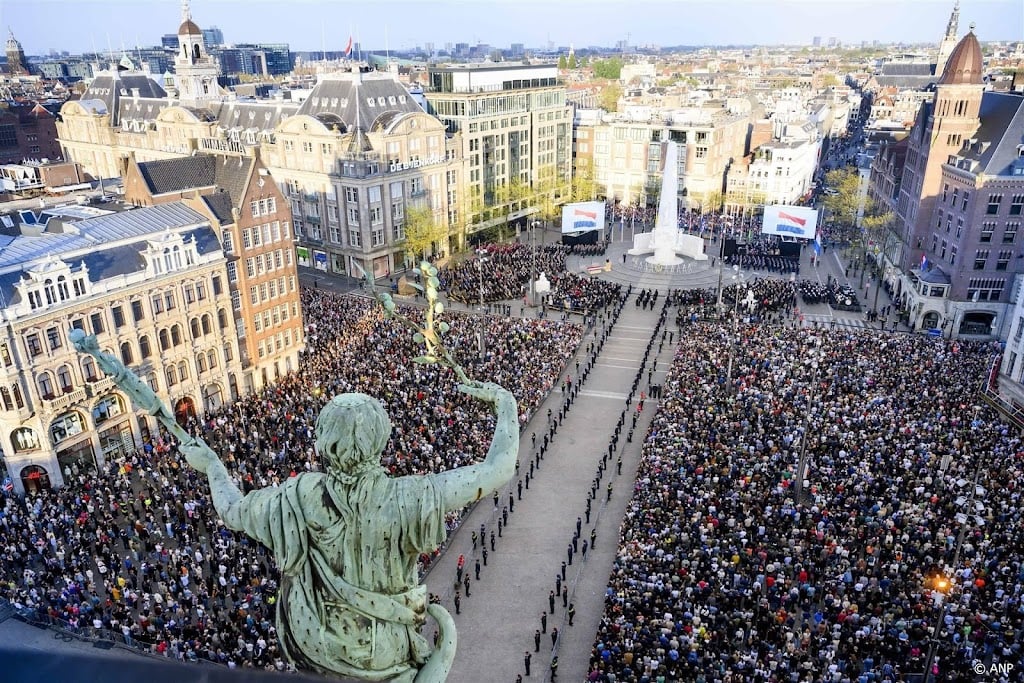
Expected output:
(582, 217)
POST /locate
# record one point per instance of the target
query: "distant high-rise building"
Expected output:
(817, 41)
(517, 50)
(169, 41)
(516, 130)
(213, 36)
(277, 58)
(832, 41)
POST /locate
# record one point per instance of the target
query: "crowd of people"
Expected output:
(137, 552)
(501, 272)
(725, 572)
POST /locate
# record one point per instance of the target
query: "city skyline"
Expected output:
(405, 24)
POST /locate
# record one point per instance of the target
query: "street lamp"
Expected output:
(969, 505)
(739, 278)
(480, 260)
(801, 468)
(533, 262)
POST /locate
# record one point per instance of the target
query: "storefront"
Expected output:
(79, 456)
(338, 263)
(34, 479)
(116, 441)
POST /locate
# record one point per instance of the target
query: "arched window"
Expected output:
(62, 288)
(66, 425)
(89, 369)
(24, 439)
(195, 52)
(172, 376)
(126, 353)
(201, 362)
(183, 371)
(222, 318)
(19, 400)
(211, 359)
(228, 355)
(64, 379)
(51, 292)
(207, 324)
(144, 349)
(165, 339)
(45, 383)
(194, 324)
(5, 396)
(167, 260)
(177, 257)
(176, 335)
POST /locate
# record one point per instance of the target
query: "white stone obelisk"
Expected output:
(666, 226)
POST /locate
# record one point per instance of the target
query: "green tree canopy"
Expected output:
(421, 230)
(844, 203)
(561, 62)
(609, 98)
(610, 68)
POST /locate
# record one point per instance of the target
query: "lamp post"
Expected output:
(480, 260)
(801, 468)
(533, 263)
(943, 584)
(734, 339)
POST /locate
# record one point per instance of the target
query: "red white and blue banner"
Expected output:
(582, 217)
(790, 221)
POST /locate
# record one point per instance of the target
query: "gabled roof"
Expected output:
(1000, 134)
(219, 204)
(110, 87)
(198, 172)
(179, 174)
(359, 99)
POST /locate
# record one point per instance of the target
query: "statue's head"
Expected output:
(351, 433)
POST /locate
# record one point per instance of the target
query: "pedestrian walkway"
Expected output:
(498, 620)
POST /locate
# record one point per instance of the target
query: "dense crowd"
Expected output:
(139, 552)
(501, 272)
(723, 575)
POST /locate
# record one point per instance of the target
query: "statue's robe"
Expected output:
(350, 600)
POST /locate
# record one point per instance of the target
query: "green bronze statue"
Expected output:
(347, 539)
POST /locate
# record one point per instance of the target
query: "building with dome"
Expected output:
(351, 159)
(956, 248)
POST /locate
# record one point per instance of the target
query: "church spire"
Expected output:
(954, 21)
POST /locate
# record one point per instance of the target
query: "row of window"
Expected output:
(280, 341)
(264, 263)
(259, 235)
(55, 291)
(272, 317)
(271, 289)
(263, 207)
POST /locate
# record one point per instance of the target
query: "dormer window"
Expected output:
(370, 102)
(169, 254)
(46, 284)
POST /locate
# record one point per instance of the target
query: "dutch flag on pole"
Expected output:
(348, 48)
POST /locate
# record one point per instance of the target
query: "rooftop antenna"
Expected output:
(323, 42)
(387, 49)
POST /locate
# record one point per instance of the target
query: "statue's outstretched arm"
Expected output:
(464, 485)
(198, 454)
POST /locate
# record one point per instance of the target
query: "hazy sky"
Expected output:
(81, 25)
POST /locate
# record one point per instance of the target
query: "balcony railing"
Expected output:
(61, 402)
(101, 386)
